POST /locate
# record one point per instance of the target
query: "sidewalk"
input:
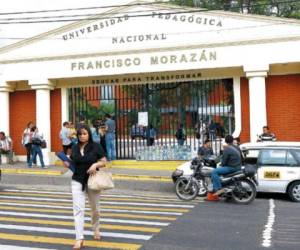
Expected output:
(121, 170)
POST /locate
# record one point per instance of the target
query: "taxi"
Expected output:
(278, 166)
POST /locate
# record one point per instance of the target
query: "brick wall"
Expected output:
(283, 106)
(245, 110)
(22, 110)
(56, 119)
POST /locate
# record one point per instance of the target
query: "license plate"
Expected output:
(272, 174)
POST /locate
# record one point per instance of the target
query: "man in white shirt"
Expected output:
(65, 136)
(6, 147)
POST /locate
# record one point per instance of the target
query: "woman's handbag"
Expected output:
(43, 144)
(101, 180)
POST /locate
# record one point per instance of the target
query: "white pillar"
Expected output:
(64, 105)
(237, 106)
(43, 121)
(257, 99)
(4, 104)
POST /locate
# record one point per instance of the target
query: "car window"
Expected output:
(273, 157)
(251, 156)
(297, 153)
(290, 160)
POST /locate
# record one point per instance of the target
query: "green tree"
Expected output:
(279, 8)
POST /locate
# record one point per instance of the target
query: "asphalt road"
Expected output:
(224, 225)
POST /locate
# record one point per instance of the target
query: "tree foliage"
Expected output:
(279, 8)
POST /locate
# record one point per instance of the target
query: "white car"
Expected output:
(278, 166)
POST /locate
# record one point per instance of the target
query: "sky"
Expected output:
(11, 33)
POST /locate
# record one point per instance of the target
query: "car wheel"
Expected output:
(294, 191)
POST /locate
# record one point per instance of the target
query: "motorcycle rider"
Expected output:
(231, 162)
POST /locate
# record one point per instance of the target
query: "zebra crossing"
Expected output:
(42, 220)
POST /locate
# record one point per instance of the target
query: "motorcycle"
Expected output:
(239, 186)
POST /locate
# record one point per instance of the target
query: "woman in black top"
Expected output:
(87, 157)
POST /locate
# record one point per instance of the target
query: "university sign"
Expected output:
(146, 61)
(104, 23)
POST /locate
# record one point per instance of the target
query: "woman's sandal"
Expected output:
(97, 236)
(78, 245)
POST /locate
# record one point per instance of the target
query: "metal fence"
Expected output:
(204, 108)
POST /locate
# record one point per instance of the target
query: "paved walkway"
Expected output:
(123, 170)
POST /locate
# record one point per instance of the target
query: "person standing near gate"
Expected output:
(102, 134)
(37, 139)
(65, 137)
(110, 137)
(26, 141)
(180, 135)
(6, 147)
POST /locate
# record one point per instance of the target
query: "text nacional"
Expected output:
(139, 38)
(200, 56)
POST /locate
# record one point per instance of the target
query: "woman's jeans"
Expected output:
(221, 171)
(36, 150)
(28, 147)
(79, 207)
(110, 141)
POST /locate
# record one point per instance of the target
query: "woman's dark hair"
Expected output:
(87, 128)
(33, 129)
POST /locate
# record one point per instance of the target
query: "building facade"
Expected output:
(155, 44)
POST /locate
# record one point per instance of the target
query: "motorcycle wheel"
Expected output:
(245, 193)
(185, 193)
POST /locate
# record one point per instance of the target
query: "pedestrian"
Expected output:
(87, 157)
(152, 135)
(37, 139)
(266, 135)
(180, 135)
(26, 141)
(102, 133)
(95, 131)
(65, 136)
(110, 137)
(81, 122)
(6, 147)
(201, 132)
(73, 133)
(212, 130)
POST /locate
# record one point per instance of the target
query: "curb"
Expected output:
(141, 178)
(32, 171)
(59, 173)
(142, 165)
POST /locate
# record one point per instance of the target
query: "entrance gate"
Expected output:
(205, 108)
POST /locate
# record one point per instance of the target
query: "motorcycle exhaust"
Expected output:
(239, 177)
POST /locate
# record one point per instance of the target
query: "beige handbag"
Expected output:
(101, 180)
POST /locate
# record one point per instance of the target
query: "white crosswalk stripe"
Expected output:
(68, 231)
(88, 209)
(7, 247)
(43, 219)
(64, 217)
(102, 202)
